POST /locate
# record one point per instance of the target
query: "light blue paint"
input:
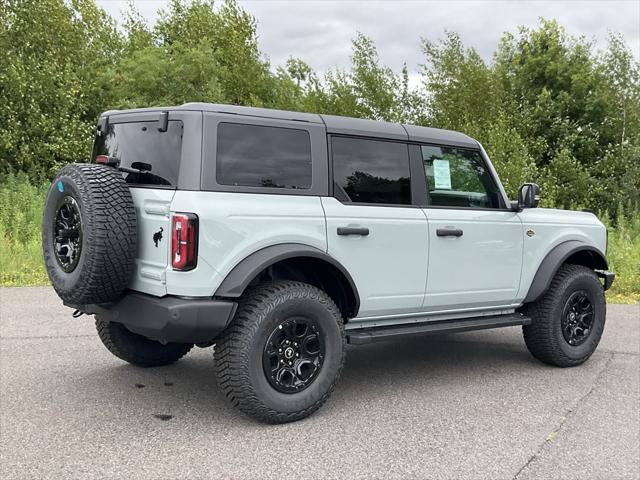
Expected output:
(60, 186)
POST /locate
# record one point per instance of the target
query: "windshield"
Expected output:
(142, 142)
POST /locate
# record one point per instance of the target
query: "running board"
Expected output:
(377, 334)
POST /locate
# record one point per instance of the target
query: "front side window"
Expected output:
(458, 178)
(141, 143)
(371, 171)
(259, 156)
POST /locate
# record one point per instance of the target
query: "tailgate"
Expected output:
(154, 240)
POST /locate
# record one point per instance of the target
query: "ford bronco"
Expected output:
(279, 237)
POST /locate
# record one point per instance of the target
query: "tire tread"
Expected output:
(539, 336)
(136, 349)
(232, 349)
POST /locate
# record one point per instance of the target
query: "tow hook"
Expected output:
(77, 313)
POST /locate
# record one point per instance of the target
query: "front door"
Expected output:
(475, 242)
(372, 228)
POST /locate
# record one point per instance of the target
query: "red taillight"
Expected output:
(184, 241)
(103, 159)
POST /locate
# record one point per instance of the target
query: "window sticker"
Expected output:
(441, 174)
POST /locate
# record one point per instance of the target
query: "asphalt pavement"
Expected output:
(459, 406)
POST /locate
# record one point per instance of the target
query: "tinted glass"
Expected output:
(371, 171)
(458, 178)
(257, 156)
(142, 142)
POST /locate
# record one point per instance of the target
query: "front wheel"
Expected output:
(281, 356)
(568, 321)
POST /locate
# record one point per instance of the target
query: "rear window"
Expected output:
(142, 142)
(258, 156)
(371, 171)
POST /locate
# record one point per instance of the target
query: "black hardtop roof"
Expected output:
(334, 124)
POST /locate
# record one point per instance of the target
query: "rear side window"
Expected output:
(142, 142)
(458, 178)
(260, 156)
(371, 171)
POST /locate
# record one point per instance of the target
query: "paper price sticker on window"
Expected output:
(441, 174)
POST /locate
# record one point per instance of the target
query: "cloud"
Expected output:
(320, 32)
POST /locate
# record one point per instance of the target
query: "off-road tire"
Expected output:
(544, 337)
(238, 353)
(136, 349)
(108, 234)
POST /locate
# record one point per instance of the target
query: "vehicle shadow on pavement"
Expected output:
(188, 388)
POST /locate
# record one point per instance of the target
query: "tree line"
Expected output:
(548, 107)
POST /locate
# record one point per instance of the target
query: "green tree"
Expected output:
(53, 54)
(195, 52)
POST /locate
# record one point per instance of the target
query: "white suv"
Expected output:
(279, 237)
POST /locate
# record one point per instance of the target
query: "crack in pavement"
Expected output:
(620, 352)
(567, 415)
(47, 337)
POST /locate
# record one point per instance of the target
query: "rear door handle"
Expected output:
(353, 231)
(449, 232)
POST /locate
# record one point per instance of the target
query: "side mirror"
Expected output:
(528, 196)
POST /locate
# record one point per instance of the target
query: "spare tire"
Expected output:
(89, 234)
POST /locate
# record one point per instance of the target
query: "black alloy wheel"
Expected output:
(577, 318)
(67, 234)
(293, 354)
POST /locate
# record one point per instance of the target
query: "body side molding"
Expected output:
(552, 262)
(244, 272)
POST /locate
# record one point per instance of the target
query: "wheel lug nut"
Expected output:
(279, 350)
(297, 354)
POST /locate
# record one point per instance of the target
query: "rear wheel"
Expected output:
(281, 356)
(136, 349)
(568, 321)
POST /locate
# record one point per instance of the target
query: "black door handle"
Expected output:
(353, 231)
(449, 232)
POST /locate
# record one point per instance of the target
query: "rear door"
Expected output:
(136, 140)
(475, 242)
(372, 227)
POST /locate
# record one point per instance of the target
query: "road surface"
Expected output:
(460, 406)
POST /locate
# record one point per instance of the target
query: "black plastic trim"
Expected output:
(244, 272)
(167, 319)
(376, 334)
(552, 262)
(607, 277)
(449, 232)
(363, 231)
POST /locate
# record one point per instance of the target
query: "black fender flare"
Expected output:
(552, 262)
(244, 272)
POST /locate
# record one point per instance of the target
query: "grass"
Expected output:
(624, 259)
(20, 215)
(21, 206)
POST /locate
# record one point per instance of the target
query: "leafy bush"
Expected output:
(624, 258)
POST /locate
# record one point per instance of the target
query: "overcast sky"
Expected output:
(320, 32)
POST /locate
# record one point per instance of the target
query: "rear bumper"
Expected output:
(607, 277)
(167, 319)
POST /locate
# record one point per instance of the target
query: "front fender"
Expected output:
(554, 259)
